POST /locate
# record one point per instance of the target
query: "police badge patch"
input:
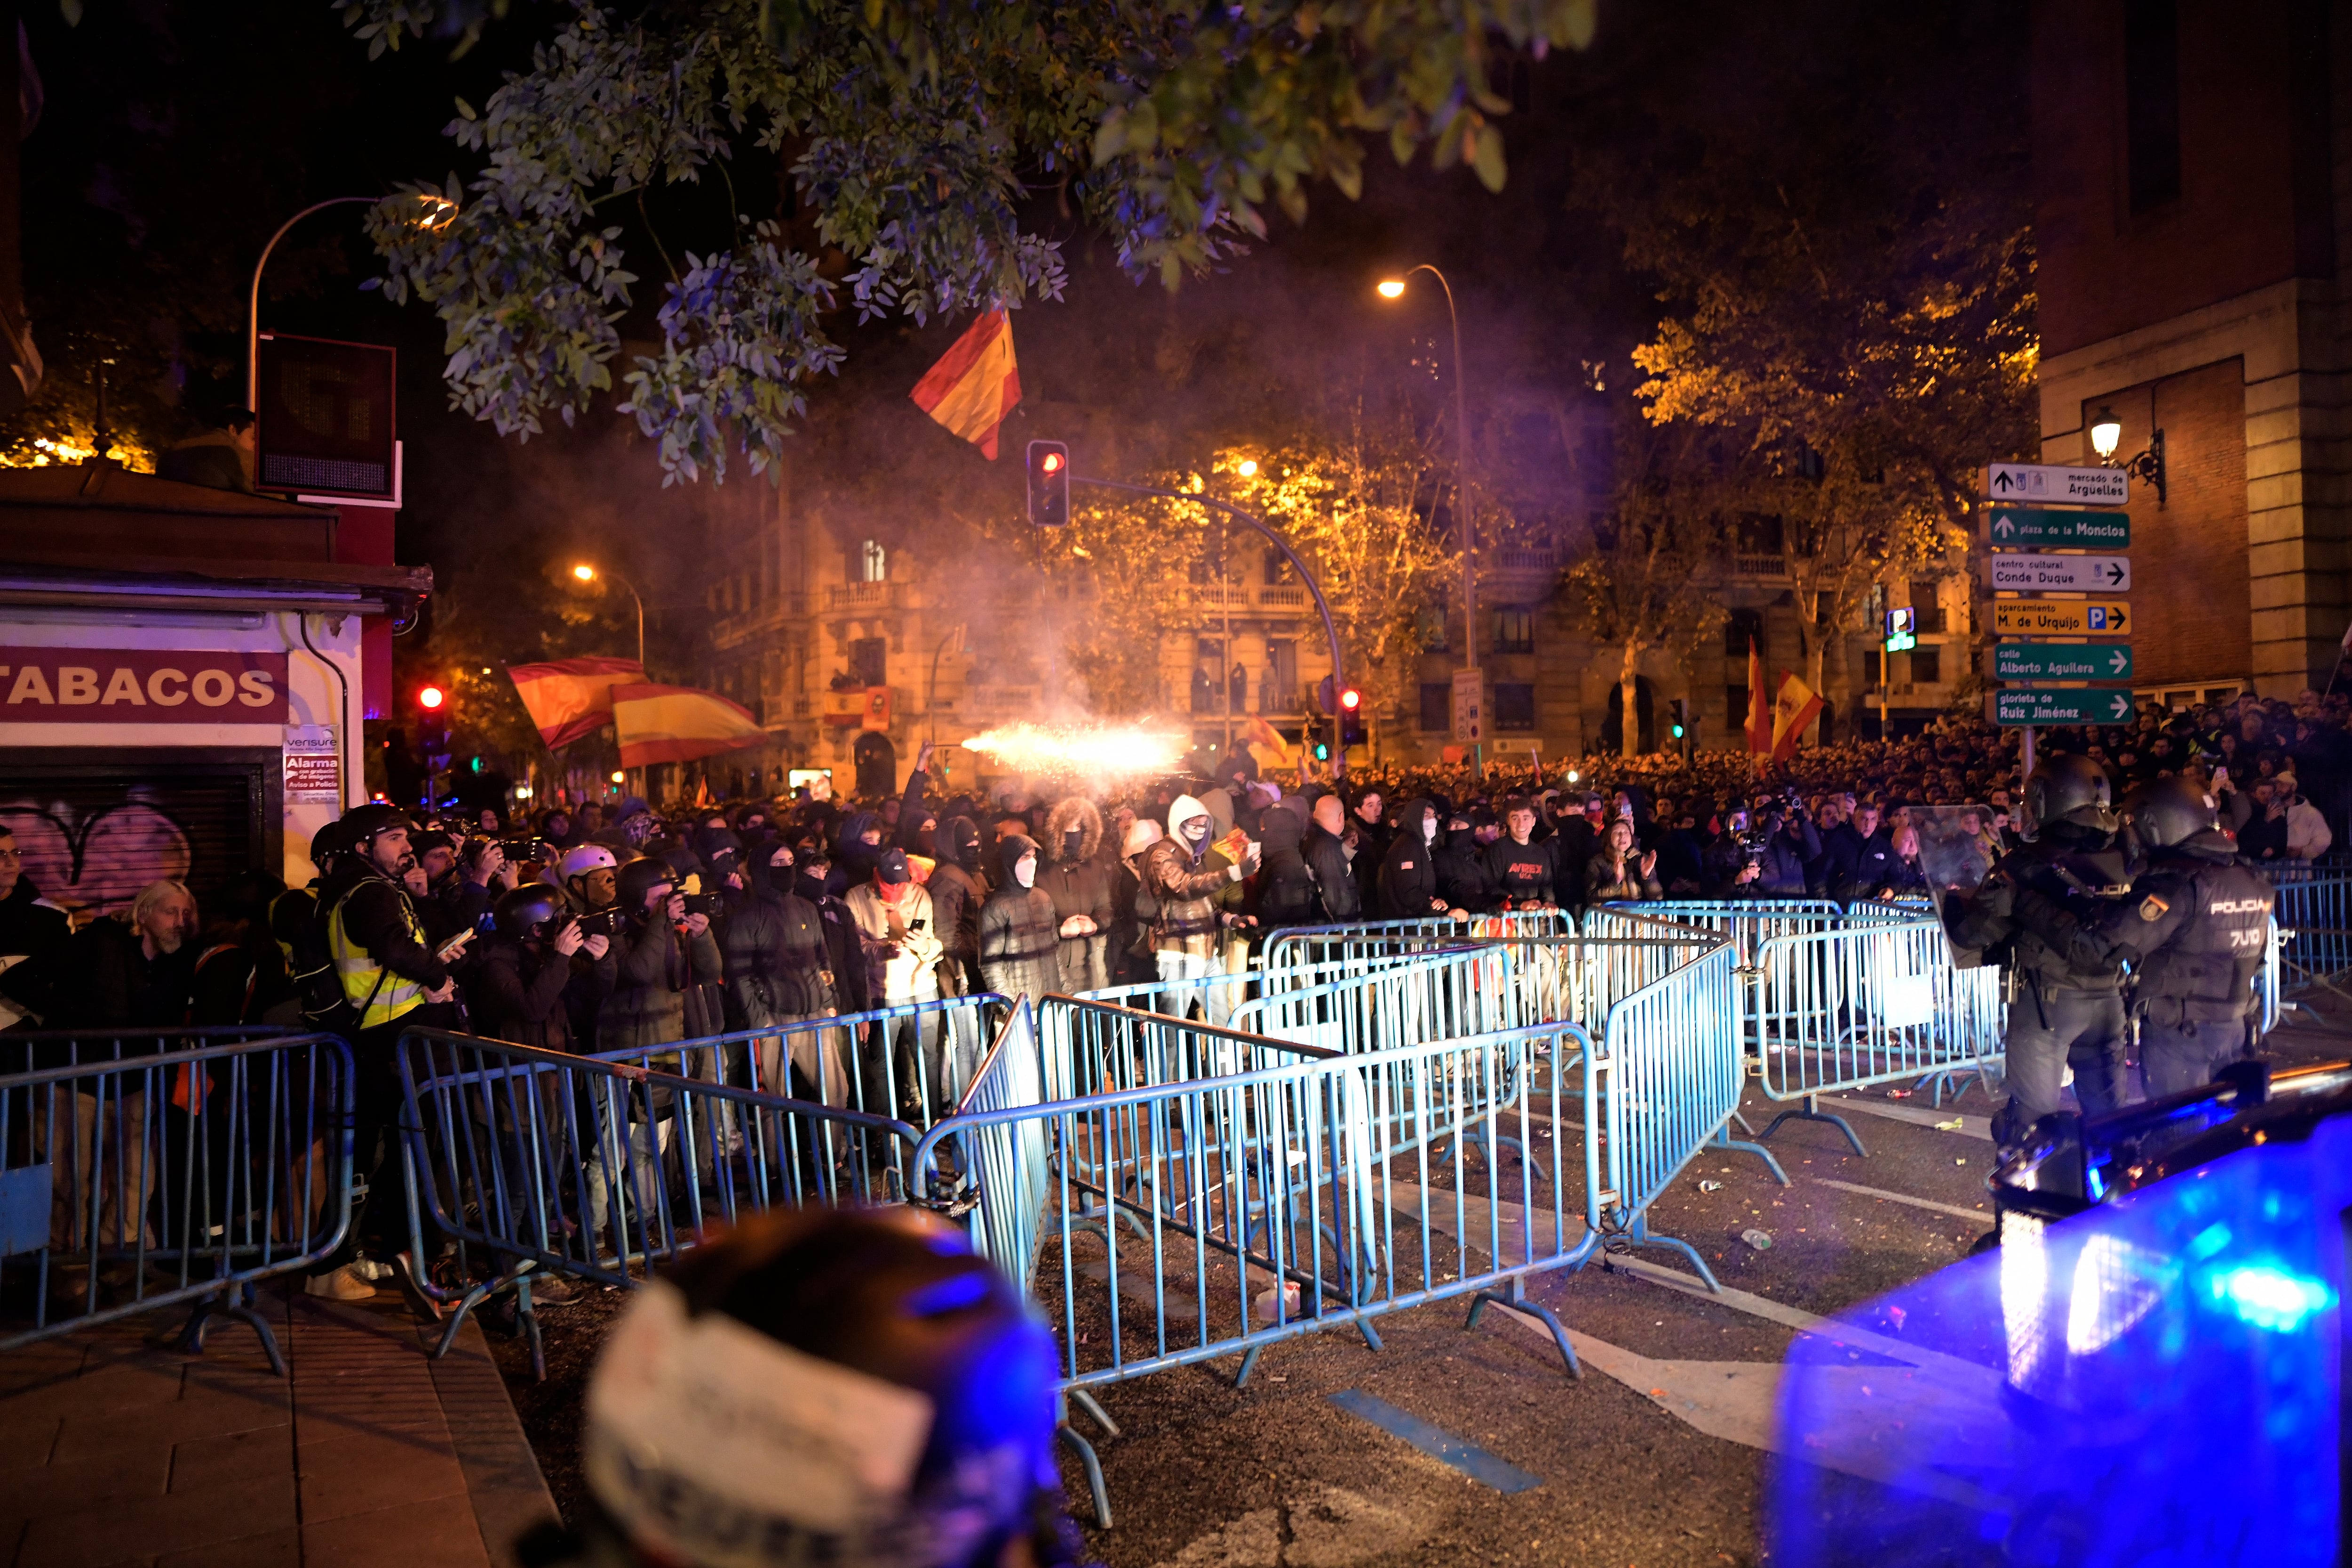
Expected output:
(2153, 908)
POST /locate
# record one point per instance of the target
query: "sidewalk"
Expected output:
(115, 1449)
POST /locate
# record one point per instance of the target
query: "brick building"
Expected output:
(2193, 166)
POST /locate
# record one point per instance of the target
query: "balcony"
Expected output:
(855, 596)
(1769, 568)
(1284, 599)
(1220, 595)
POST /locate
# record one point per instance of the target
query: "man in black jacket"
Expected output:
(1526, 870)
(1285, 888)
(780, 972)
(1463, 880)
(1408, 876)
(1327, 857)
(31, 928)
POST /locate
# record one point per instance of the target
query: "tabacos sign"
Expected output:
(140, 686)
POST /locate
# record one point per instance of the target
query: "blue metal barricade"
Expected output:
(1361, 939)
(1749, 922)
(2314, 916)
(601, 1169)
(146, 1170)
(1838, 1010)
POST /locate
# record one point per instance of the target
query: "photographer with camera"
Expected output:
(483, 873)
(1787, 847)
(664, 949)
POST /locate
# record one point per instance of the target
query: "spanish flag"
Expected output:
(572, 697)
(1792, 710)
(975, 384)
(1259, 734)
(678, 723)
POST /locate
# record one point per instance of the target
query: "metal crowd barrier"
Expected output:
(1831, 1011)
(1189, 1220)
(531, 1160)
(1749, 922)
(145, 1170)
(1361, 939)
(2314, 916)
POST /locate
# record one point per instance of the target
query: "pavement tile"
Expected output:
(440, 1531)
(224, 1457)
(124, 1531)
(198, 1415)
(279, 1549)
(361, 1475)
(127, 1384)
(43, 1362)
(27, 1439)
(37, 1491)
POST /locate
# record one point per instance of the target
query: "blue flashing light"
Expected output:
(2268, 1298)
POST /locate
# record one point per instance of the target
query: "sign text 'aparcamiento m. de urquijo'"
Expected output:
(2026, 573)
(2061, 661)
(2050, 482)
(2061, 617)
(2077, 705)
(2026, 528)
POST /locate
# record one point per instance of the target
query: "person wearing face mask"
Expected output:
(1199, 892)
(853, 988)
(1286, 890)
(1081, 893)
(1407, 874)
(957, 892)
(779, 972)
(902, 946)
(1463, 880)
(1020, 935)
(1327, 858)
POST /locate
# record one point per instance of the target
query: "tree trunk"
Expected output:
(1628, 688)
(1810, 643)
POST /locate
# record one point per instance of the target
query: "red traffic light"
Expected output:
(1351, 699)
(430, 697)
(1052, 462)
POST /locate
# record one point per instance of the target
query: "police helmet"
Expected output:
(525, 912)
(365, 822)
(2073, 790)
(845, 1385)
(2170, 811)
(335, 839)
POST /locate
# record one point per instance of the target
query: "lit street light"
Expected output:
(587, 573)
(440, 210)
(1394, 289)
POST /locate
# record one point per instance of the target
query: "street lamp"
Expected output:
(587, 573)
(1394, 289)
(2148, 466)
(438, 211)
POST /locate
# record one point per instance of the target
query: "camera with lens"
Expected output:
(602, 923)
(703, 903)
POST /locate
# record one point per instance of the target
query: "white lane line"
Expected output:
(1969, 1126)
(1982, 1216)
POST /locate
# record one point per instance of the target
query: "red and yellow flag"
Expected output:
(1759, 703)
(678, 723)
(1792, 712)
(975, 384)
(572, 697)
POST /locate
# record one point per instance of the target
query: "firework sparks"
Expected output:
(1089, 750)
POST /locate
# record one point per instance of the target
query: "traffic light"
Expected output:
(1351, 716)
(1049, 484)
(1683, 727)
(433, 727)
(1322, 750)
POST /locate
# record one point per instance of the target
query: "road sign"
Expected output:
(2020, 528)
(2058, 574)
(1902, 630)
(2060, 618)
(2030, 705)
(2061, 661)
(2036, 481)
(1469, 706)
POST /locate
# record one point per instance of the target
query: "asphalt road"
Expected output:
(1656, 1457)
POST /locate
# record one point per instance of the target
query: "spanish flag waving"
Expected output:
(1793, 709)
(975, 384)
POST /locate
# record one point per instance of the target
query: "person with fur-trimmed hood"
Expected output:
(1019, 940)
(1080, 889)
(1199, 892)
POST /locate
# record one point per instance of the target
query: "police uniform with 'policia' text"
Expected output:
(2067, 1009)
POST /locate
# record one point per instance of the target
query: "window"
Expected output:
(1926, 665)
(1514, 630)
(1436, 706)
(1431, 625)
(1871, 663)
(1278, 692)
(869, 661)
(2152, 101)
(873, 563)
(1735, 707)
(1927, 615)
(1742, 626)
(1515, 705)
(1277, 570)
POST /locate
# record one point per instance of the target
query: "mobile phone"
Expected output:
(918, 925)
(2221, 777)
(454, 946)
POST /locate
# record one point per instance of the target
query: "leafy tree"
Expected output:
(905, 140)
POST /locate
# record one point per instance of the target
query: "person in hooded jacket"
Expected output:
(779, 972)
(1133, 910)
(1081, 893)
(1464, 878)
(1373, 827)
(1284, 886)
(1199, 892)
(1408, 875)
(894, 916)
(853, 988)
(1020, 936)
(957, 892)
(856, 850)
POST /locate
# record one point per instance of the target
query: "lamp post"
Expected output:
(253, 301)
(587, 573)
(1394, 289)
(2107, 434)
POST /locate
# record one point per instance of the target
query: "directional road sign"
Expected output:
(2058, 574)
(2031, 705)
(2060, 618)
(2022, 528)
(2039, 482)
(2061, 661)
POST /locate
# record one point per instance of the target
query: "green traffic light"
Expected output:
(1678, 732)
(1322, 751)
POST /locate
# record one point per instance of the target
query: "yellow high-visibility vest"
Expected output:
(378, 994)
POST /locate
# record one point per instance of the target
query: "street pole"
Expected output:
(1322, 605)
(253, 302)
(1462, 504)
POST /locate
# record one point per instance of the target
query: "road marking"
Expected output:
(1438, 1444)
(1980, 1216)
(1969, 1126)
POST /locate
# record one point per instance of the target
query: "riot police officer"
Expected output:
(2194, 930)
(2067, 1009)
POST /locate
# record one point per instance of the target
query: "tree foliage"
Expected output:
(912, 136)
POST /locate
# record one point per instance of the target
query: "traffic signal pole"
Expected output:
(1322, 605)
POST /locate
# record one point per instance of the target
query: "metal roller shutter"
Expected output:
(92, 839)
